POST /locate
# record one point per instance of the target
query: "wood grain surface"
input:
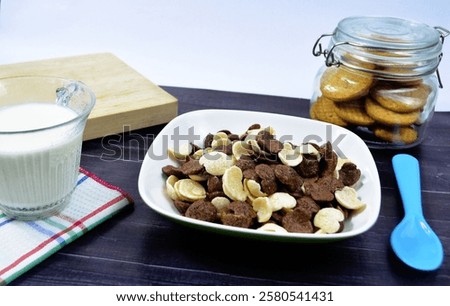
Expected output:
(140, 247)
(125, 100)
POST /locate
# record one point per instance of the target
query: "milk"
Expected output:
(39, 160)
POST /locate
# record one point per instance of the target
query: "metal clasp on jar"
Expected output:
(330, 60)
(318, 50)
(443, 33)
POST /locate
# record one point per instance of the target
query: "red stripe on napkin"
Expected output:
(54, 237)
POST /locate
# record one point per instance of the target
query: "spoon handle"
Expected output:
(407, 173)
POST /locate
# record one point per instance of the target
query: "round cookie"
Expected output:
(354, 113)
(401, 135)
(324, 110)
(400, 97)
(341, 84)
(389, 117)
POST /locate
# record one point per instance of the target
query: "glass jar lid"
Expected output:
(384, 45)
(388, 33)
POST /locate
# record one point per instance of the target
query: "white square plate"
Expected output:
(198, 124)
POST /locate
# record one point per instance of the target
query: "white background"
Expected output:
(235, 45)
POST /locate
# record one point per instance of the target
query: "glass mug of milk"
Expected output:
(42, 120)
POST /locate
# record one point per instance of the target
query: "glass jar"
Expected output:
(380, 79)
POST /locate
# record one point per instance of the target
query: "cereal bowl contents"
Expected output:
(285, 178)
(257, 179)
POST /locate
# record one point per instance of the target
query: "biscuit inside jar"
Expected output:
(340, 84)
(379, 110)
(262, 183)
(390, 61)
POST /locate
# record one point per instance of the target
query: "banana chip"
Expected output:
(280, 200)
(197, 154)
(189, 190)
(288, 146)
(240, 148)
(220, 139)
(250, 197)
(328, 220)
(180, 152)
(253, 145)
(198, 177)
(232, 184)
(263, 209)
(272, 227)
(270, 130)
(215, 162)
(254, 188)
(170, 182)
(221, 203)
(348, 198)
(290, 157)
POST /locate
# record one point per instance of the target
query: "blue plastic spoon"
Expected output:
(413, 240)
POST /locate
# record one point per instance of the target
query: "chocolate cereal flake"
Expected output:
(238, 213)
(349, 174)
(297, 221)
(202, 210)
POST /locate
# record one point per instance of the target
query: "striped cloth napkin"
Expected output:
(24, 244)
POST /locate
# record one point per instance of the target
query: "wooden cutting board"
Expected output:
(125, 99)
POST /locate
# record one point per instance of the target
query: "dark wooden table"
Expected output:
(140, 247)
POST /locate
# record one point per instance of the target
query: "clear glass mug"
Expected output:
(42, 120)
